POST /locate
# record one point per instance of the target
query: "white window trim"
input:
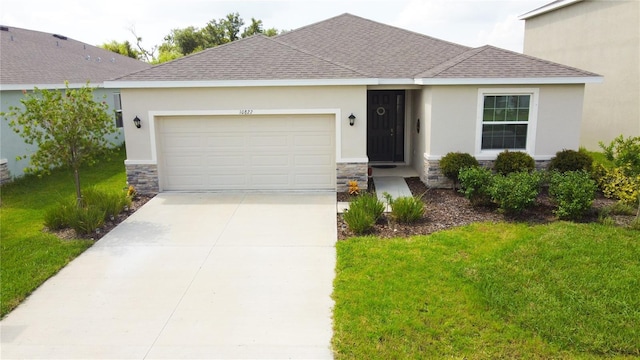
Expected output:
(531, 126)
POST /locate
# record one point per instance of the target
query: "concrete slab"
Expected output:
(224, 276)
(393, 185)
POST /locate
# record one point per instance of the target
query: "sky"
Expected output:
(468, 22)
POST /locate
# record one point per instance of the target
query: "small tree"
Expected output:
(69, 128)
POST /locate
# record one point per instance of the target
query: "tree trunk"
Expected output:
(76, 175)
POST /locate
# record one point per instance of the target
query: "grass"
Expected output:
(485, 291)
(30, 256)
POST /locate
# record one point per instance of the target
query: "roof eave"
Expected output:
(20, 87)
(124, 84)
(547, 8)
(511, 81)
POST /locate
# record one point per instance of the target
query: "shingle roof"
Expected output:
(492, 62)
(351, 47)
(30, 57)
(254, 58)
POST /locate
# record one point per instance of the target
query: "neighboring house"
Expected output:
(313, 108)
(31, 59)
(599, 36)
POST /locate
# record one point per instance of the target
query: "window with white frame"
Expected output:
(507, 119)
(117, 104)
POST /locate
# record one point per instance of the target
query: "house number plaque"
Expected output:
(246, 112)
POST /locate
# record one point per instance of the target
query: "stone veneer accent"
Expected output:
(144, 178)
(433, 178)
(5, 176)
(346, 172)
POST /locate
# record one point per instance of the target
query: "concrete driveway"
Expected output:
(196, 276)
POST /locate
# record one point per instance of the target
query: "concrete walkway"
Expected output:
(206, 276)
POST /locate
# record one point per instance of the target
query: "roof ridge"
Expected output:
(448, 64)
(316, 56)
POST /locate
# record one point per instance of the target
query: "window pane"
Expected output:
(512, 115)
(489, 102)
(501, 102)
(504, 137)
(523, 114)
(523, 101)
(488, 115)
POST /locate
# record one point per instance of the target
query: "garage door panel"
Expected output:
(286, 152)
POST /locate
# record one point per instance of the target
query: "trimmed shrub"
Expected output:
(59, 217)
(370, 203)
(407, 209)
(87, 219)
(571, 160)
(509, 162)
(573, 192)
(516, 191)
(112, 203)
(475, 183)
(453, 162)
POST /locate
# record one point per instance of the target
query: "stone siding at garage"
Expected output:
(144, 178)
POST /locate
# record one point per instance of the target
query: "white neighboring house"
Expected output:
(599, 36)
(31, 59)
(312, 108)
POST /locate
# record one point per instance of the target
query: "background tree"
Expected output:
(254, 28)
(122, 48)
(69, 128)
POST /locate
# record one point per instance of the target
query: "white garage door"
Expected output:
(259, 152)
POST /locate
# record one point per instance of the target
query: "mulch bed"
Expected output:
(70, 234)
(446, 208)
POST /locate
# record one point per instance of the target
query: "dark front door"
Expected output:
(385, 125)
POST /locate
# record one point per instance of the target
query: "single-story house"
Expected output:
(30, 59)
(313, 108)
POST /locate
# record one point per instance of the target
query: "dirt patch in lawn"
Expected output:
(446, 208)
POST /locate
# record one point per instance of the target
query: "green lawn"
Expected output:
(28, 255)
(490, 291)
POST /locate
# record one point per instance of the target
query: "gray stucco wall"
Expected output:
(12, 145)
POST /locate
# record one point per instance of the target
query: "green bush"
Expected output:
(453, 162)
(573, 192)
(615, 184)
(516, 191)
(624, 153)
(363, 213)
(87, 219)
(113, 202)
(509, 162)
(618, 208)
(571, 160)
(407, 209)
(98, 206)
(475, 183)
(59, 217)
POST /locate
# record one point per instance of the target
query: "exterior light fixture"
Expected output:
(352, 119)
(136, 121)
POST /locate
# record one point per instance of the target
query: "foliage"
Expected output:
(98, 206)
(363, 212)
(573, 192)
(618, 208)
(184, 41)
(453, 162)
(69, 127)
(30, 255)
(407, 209)
(475, 184)
(616, 184)
(516, 191)
(624, 153)
(359, 220)
(509, 162)
(571, 160)
(489, 291)
(123, 48)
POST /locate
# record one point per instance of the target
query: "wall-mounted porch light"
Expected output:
(352, 119)
(136, 122)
